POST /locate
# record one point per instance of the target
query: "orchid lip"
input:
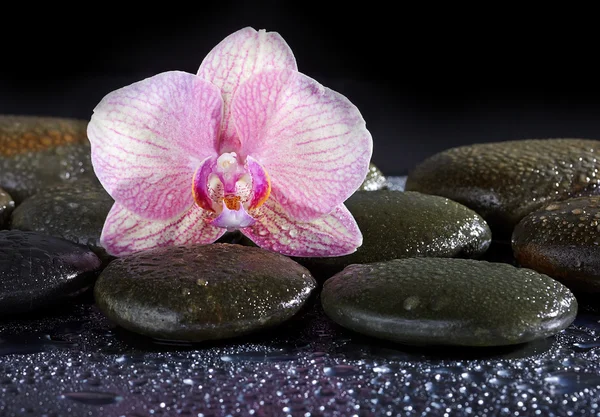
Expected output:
(233, 219)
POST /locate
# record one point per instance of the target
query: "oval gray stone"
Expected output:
(505, 181)
(38, 271)
(38, 152)
(435, 301)
(7, 205)
(202, 292)
(563, 240)
(74, 212)
(398, 224)
(375, 180)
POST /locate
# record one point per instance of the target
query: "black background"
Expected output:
(425, 77)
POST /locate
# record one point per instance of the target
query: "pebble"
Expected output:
(441, 301)
(505, 181)
(399, 224)
(563, 240)
(37, 271)
(202, 292)
(53, 212)
(38, 152)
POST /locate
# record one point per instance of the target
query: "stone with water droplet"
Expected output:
(38, 152)
(7, 204)
(484, 303)
(230, 290)
(52, 211)
(562, 241)
(398, 224)
(38, 271)
(505, 181)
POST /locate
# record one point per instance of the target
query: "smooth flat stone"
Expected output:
(563, 240)
(202, 292)
(398, 224)
(53, 212)
(435, 301)
(38, 152)
(375, 180)
(7, 205)
(505, 181)
(38, 271)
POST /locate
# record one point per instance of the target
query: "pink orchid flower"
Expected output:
(247, 143)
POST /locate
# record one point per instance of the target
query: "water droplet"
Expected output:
(340, 370)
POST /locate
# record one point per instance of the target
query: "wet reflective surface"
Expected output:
(75, 362)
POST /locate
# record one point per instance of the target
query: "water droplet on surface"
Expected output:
(340, 370)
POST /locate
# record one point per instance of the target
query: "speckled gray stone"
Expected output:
(202, 292)
(7, 205)
(38, 271)
(38, 152)
(399, 224)
(375, 180)
(435, 301)
(563, 240)
(74, 212)
(505, 181)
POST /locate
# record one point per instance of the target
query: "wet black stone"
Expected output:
(202, 292)
(7, 204)
(375, 180)
(38, 270)
(433, 301)
(563, 240)
(398, 224)
(39, 152)
(505, 181)
(74, 212)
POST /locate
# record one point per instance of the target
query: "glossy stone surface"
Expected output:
(563, 240)
(202, 292)
(38, 152)
(37, 271)
(7, 205)
(74, 212)
(505, 181)
(432, 301)
(398, 224)
(375, 179)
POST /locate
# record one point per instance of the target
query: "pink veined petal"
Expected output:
(234, 60)
(124, 232)
(148, 138)
(199, 183)
(334, 234)
(312, 141)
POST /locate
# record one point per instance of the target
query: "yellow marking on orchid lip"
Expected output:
(266, 194)
(232, 202)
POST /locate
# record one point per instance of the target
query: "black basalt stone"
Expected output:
(38, 270)
(7, 204)
(435, 301)
(505, 181)
(563, 240)
(202, 292)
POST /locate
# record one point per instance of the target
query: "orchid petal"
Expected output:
(261, 183)
(148, 138)
(234, 60)
(334, 234)
(125, 232)
(311, 140)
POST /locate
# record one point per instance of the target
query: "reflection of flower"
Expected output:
(248, 143)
